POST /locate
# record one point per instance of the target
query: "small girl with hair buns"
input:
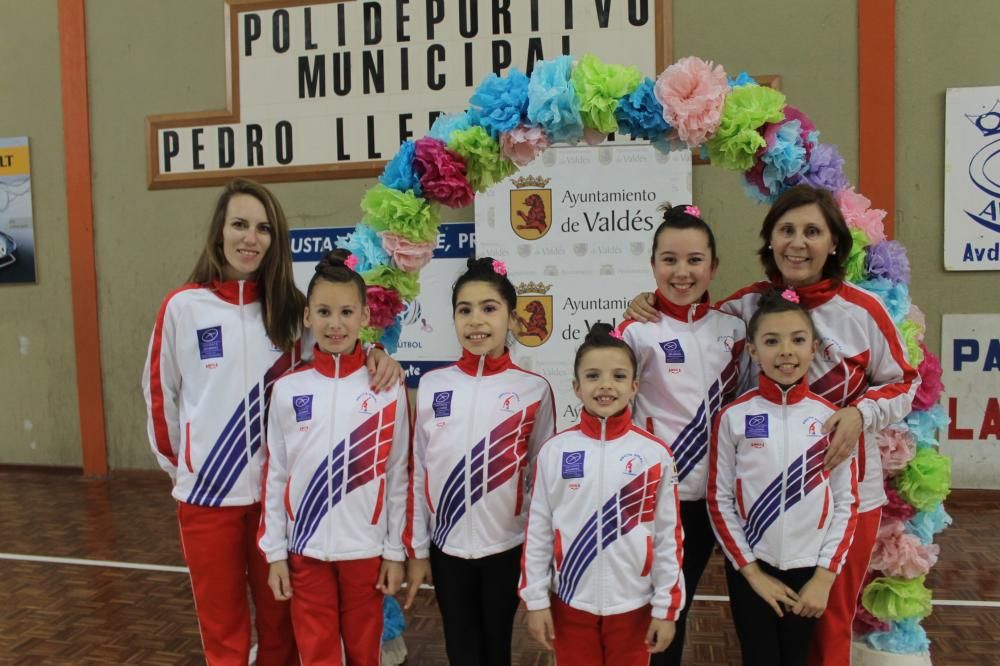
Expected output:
(335, 481)
(479, 424)
(601, 576)
(784, 523)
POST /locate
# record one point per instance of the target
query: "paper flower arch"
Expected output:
(737, 125)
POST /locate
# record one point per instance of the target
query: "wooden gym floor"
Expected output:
(116, 593)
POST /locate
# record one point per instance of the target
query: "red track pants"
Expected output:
(831, 643)
(585, 639)
(220, 549)
(332, 601)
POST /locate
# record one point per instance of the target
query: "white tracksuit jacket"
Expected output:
(479, 423)
(861, 362)
(207, 380)
(768, 495)
(336, 477)
(604, 532)
(689, 364)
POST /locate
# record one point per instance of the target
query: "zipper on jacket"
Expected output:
(472, 523)
(328, 537)
(784, 478)
(600, 517)
(247, 439)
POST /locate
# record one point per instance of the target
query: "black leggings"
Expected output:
(699, 541)
(477, 599)
(765, 638)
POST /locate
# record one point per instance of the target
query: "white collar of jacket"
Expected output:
(615, 426)
(326, 364)
(681, 312)
(229, 291)
(469, 363)
(772, 391)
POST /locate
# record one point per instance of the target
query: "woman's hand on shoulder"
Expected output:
(386, 372)
(643, 308)
(846, 425)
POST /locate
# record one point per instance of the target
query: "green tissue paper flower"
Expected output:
(369, 335)
(484, 163)
(926, 481)
(392, 278)
(854, 269)
(599, 87)
(897, 598)
(911, 337)
(401, 213)
(746, 110)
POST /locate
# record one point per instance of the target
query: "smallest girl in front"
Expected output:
(784, 523)
(335, 481)
(601, 576)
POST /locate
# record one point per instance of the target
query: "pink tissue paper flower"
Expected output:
(897, 447)
(442, 173)
(897, 509)
(858, 213)
(897, 553)
(692, 93)
(408, 256)
(930, 389)
(865, 623)
(384, 304)
(523, 144)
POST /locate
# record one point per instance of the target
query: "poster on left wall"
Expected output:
(17, 233)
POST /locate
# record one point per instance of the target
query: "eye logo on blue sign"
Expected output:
(442, 404)
(303, 405)
(672, 351)
(210, 342)
(756, 425)
(572, 464)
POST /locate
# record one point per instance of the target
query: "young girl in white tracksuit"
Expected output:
(690, 363)
(784, 523)
(601, 576)
(335, 481)
(478, 425)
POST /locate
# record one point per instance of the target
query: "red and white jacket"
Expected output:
(860, 362)
(689, 366)
(768, 495)
(479, 423)
(207, 380)
(604, 531)
(336, 477)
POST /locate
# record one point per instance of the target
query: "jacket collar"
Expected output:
(773, 391)
(615, 426)
(816, 294)
(469, 363)
(682, 312)
(326, 364)
(229, 291)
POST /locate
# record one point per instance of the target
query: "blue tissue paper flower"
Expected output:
(499, 104)
(552, 100)
(640, 114)
(365, 244)
(399, 173)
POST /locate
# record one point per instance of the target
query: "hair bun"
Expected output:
(335, 259)
(599, 330)
(479, 264)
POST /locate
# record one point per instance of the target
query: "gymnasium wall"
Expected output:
(39, 422)
(151, 57)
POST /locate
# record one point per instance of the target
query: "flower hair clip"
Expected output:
(790, 296)
(499, 267)
(693, 210)
(616, 335)
(351, 262)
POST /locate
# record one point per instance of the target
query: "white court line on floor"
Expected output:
(171, 569)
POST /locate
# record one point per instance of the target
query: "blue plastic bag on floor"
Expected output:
(393, 622)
